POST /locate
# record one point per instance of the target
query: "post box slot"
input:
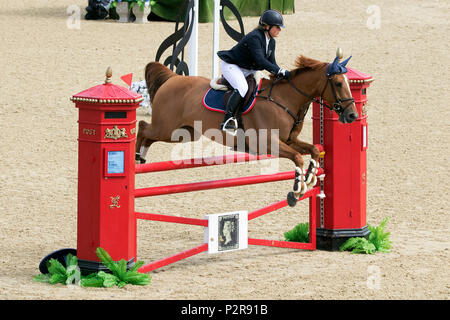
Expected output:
(115, 115)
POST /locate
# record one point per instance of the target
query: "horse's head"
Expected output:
(337, 91)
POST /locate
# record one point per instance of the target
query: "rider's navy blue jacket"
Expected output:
(250, 53)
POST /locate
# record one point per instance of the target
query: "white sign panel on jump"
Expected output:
(227, 231)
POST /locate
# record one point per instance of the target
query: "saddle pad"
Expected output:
(213, 100)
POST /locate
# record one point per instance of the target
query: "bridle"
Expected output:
(299, 118)
(337, 105)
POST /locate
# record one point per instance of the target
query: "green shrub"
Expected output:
(378, 241)
(57, 273)
(119, 275)
(300, 233)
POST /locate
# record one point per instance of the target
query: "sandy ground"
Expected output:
(44, 62)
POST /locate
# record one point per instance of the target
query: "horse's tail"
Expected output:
(155, 76)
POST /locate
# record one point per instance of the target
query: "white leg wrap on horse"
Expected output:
(313, 181)
(316, 166)
(300, 187)
(303, 188)
(299, 183)
(143, 152)
(312, 172)
(297, 187)
(309, 178)
(299, 171)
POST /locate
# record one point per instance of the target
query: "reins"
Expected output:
(299, 118)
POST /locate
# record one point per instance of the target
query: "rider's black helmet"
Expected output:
(271, 18)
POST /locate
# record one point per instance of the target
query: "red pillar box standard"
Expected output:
(107, 134)
(342, 213)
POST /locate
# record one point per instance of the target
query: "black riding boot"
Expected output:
(232, 106)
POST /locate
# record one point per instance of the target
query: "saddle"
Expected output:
(216, 97)
(251, 82)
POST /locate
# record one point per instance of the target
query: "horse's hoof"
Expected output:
(291, 199)
(139, 159)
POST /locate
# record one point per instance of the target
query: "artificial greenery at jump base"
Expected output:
(71, 274)
(378, 239)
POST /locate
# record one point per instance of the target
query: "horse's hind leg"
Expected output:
(145, 145)
(148, 134)
(142, 143)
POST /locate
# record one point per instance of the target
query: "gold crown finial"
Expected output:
(108, 75)
(339, 53)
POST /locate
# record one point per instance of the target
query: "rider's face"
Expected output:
(274, 31)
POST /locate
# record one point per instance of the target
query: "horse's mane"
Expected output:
(155, 75)
(303, 63)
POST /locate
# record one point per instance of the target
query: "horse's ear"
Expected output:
(344, 63)
(335, 63)
(332, 67)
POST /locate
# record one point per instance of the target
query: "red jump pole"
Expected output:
(177, 257)
(281, 244)
(214, 184)
(199, 162)
(174, 219)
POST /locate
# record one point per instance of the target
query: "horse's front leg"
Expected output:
(300, 185)
(307, 148)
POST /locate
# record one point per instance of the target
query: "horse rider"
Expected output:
(255, 51)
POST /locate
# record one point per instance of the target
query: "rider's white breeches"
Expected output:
(236, 76)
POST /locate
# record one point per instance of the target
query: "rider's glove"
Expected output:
(285, 73)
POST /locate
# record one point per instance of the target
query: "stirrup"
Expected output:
(233, 130)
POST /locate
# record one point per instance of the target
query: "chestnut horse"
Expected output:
(280, 110)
